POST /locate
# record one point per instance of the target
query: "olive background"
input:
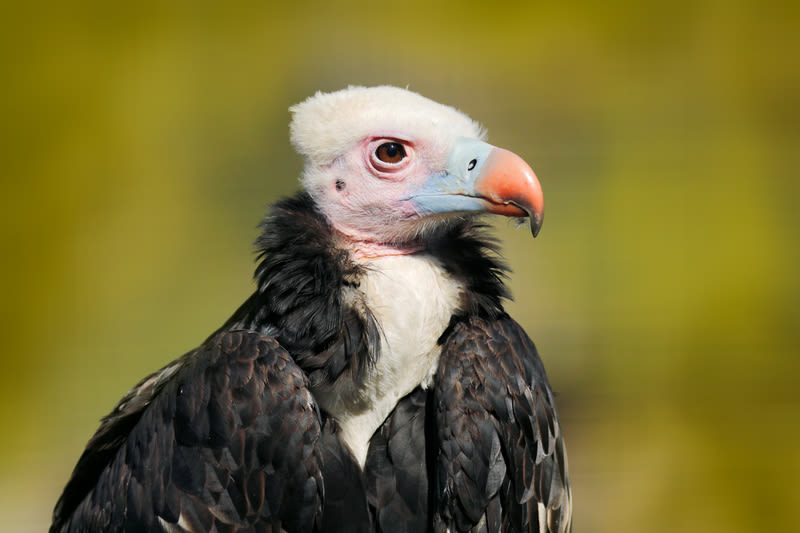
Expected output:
(143, 142)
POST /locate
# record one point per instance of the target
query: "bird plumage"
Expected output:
(342, 396)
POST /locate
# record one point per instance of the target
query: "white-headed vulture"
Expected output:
(373, 381)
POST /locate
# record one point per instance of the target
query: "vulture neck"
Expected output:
(363, 320)
(365, 250)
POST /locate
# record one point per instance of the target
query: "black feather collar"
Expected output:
(301, 274)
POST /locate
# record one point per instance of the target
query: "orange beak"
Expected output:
(510, 186)
(483, 178)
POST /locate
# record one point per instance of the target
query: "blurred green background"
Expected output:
(143, 143)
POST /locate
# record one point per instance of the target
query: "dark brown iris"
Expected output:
(390, 152)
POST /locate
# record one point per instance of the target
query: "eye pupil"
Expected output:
(472, 164)
(390, 152)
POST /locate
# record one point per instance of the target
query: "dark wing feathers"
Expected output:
(231, 438)
(501, 462)
(228, 437)
(396, 468)
(345, 508)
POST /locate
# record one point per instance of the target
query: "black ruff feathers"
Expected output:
(301, 275)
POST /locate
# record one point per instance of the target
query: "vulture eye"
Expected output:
(391, 153)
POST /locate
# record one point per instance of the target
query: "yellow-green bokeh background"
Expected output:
(142, 144)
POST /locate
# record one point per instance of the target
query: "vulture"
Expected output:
(373, 381)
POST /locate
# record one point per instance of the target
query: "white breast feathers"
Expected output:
(412, 299)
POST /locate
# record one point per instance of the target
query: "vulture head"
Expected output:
(387, 166)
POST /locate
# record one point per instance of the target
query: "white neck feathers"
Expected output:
(412, 298)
